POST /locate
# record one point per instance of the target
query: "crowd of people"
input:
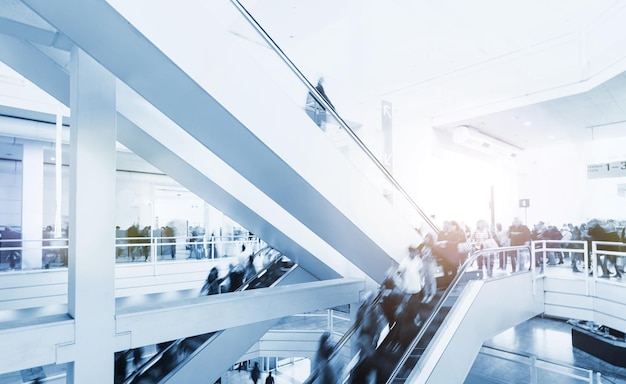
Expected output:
(567, 236)
(406, 293)
(238, 274)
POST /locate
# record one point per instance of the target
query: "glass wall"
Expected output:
(155, 216)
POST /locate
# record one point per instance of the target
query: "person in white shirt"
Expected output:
(411, 278)
(410, 272)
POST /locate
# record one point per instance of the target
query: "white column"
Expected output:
(32, 204)
(91, 289)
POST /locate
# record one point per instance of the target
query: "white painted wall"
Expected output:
(555, 179)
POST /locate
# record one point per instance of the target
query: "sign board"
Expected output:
(524, 203)
(612, 169)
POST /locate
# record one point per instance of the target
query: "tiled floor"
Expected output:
(546, 339)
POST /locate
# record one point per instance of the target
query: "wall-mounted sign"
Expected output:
(613, 169)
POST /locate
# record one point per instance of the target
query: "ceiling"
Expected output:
(373, 50)
(370, 51)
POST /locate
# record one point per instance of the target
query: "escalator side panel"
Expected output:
(336, 215)
(212, 359)
(217, 358)
(484, 309)
(203, 177)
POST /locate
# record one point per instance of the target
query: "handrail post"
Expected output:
(153, 251)
(594, 266)
(544, 257)
(586, 267)
(533, 370)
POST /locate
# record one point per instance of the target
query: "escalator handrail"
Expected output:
(354, 327)
(214, 334)
(343, 340)
(460, 274)
(158, 356)
(320, 99)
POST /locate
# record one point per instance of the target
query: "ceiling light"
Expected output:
(472, 138)
(527, 123)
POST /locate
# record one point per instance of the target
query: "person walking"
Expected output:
(269, 379)
(314, 109)
(429, 269)
(519, 235)
(255, 375)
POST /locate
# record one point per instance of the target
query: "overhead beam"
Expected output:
(154, 323)
(34, 34)
(341, 215)
(36, 67)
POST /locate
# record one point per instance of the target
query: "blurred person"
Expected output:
(410, 272)
(213, 282)
(137, 356)
(324, 371)
(484, 238)
(235, 276)
(315, 110)
(370, 326)
(566, 235)
(502, 238)
(605, 231)
(255, 374)
(410, 275)
(13, 240)
(425, 251)
(250, 270)
(121, 365)
(577, 257)
(391, 297)
(553, 233)
(242, 254)
(447, 250)
(519, 235)
(538, 233)
(169, 234)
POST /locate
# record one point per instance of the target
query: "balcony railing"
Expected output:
(19, 254)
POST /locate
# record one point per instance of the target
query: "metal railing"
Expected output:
(532, 370)
(24, 254)
(460, 276)
(174, 348)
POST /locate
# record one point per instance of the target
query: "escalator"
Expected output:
(171, 356)
(391, 358)
(396, 357)
(400, 363)
(245, 107)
